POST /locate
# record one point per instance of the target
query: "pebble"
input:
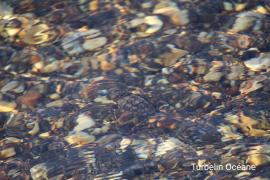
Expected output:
(7, 106)
(104, 100)
(19, 89)
(170, 58)
(119, 71)
(56, 103)
(252, 84)
(125, 142)
(8, 152)
(237, 72)
(213, 76)
(52, 67)
(245, 20)
(243, 175)
(258, 159)
(72, 42)
(136, 22)
(163, 81)
(168, 145)
(258, 63)
(170, 31)
(228, 6)
(29, 99)
(12, 31)
(106, 139)
(80, 138)
(217, 95)
(13, 140)
(142, 148)
(92, 44)
(83, 122)
(55, 96)
(153, 22)
(39, 171)
(9, 86)
(40, 88)
(106, 66)
(36, 34)
(5, 10)
(44, 135)
(73, 48)
(35, 129)
(177, 17)
(105, 128)
(146, 5)
(38, 66)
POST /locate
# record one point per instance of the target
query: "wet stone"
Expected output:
(29, 99)
(7, 106)
(135, 106)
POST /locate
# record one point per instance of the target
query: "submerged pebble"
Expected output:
(177, 17)
(80, 138)
(83, 122)
(7, 106)
(259, 63)
(29, 99)
(8, 152)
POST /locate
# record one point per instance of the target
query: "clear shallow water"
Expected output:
(134, 89)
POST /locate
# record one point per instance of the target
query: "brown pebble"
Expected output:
(170, 124)
(29, 99)
(106, 66)
(8, 152)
